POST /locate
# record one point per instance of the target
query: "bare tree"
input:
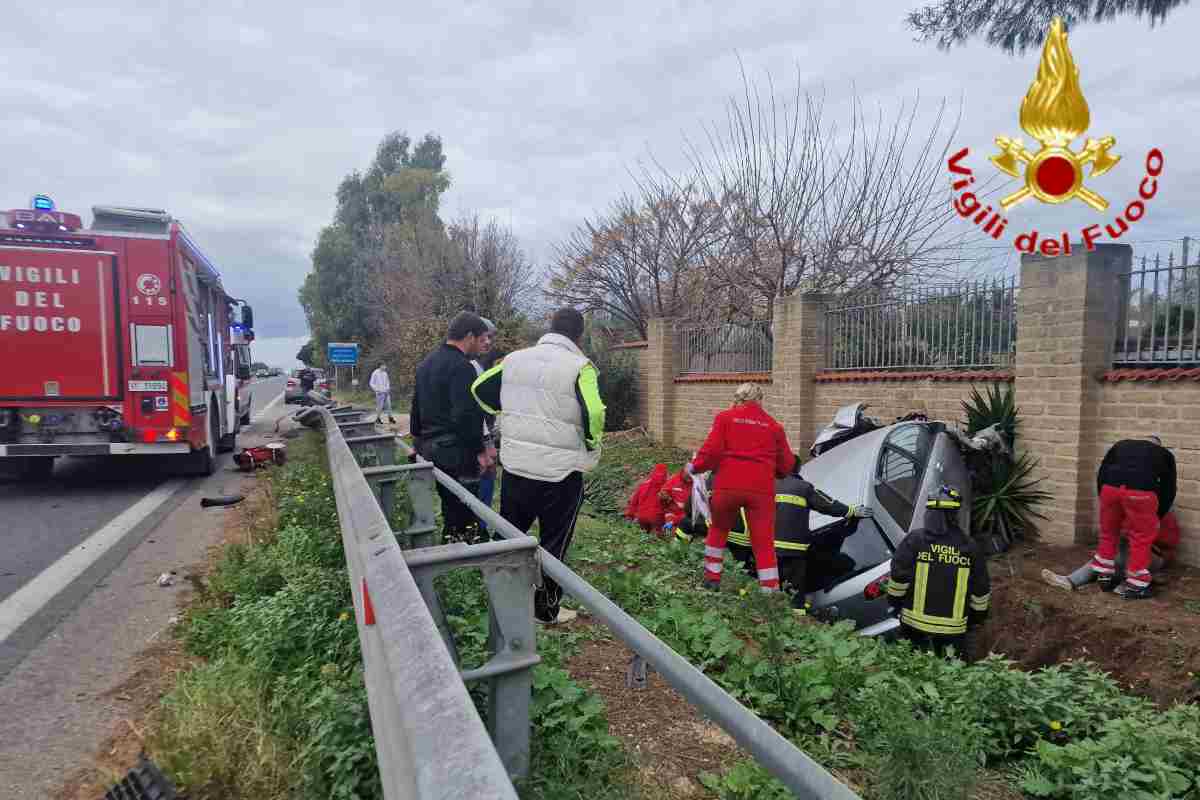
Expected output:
(643, 258)
(809, 207)
(498, 275)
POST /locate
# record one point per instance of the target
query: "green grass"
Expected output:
(904, 723)
(279, 710)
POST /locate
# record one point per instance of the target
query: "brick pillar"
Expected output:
(799, 351)
(1066, 323)
(662, 359)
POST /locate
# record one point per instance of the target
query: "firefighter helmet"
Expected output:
(947, 498)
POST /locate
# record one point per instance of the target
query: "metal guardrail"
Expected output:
(429, 739)
(419, 706)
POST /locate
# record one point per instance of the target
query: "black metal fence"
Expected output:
(1160, 302)
(726, 348)
(970, 324)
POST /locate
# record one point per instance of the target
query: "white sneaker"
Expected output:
(564, 615)
(1058, 581)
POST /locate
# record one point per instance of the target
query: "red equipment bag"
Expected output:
(253, 457)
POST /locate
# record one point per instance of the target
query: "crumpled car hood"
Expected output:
(844, 473)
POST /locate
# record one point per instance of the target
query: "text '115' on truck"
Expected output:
(118, 339)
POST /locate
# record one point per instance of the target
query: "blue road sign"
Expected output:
(343, 353)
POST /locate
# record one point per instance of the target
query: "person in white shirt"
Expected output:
(382, 387)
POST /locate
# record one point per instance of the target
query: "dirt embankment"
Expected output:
(1150, 646)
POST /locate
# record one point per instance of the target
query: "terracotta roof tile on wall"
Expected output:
(1152, 374)
(938, 375)
(724, 377)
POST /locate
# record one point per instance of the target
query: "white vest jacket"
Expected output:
(539, 411)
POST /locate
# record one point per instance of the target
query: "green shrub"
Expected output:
(1142, 758)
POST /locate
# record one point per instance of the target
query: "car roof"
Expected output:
(845, 472)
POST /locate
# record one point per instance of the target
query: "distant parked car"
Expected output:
(293, 393)
(891, 469)
(263, 373)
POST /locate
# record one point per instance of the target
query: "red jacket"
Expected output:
(674, 495)
(645, 505)
(747, 448)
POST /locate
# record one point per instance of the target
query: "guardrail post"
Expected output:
(510, 570)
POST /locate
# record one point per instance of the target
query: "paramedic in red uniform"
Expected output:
(1136, 482)
(748, 450)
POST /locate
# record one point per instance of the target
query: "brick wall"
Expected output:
(1171, 410)
(1073, 405)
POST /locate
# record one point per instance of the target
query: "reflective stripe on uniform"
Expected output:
(960, 593)
(981, 602)
(714, 567)
(922, 585)
(791, 499)
(715, 552)
(768, 574)
(897, 589)
(739, 538)
(932, 624)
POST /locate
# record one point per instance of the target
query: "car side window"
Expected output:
(901, 467)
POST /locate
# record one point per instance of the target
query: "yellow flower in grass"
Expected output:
(1055, 725)
(345, 615)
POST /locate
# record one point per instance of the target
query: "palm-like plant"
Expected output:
(1006, 500)
(998, 407)
(1006, 495)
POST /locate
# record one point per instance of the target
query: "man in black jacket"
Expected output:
(1136, 482)
(939, 579)
(447, 423)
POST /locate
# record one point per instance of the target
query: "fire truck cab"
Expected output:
(119, 339)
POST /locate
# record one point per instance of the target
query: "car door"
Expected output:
(944, 465)
(900, 477)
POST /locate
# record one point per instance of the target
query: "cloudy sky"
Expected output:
(240, 118)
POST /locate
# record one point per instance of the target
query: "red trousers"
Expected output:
(1137, 512)
(760, 518)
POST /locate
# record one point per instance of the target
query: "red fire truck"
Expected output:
(118, 339)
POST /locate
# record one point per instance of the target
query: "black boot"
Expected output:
(1127, 591)
(1108, 582)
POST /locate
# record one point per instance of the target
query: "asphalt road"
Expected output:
(44, 521)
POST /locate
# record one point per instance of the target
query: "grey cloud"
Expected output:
(241, 118)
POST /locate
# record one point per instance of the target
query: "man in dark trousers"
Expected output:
(794, 499)
(1136, 482)
(547, 398)
(939, 579)
(447, 423)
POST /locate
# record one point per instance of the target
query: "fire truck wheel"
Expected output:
(204, 461)
(37, 468)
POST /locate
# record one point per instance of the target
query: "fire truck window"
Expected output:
(152, 345)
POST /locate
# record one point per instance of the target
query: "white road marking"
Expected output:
(263, 411)
(31, 598)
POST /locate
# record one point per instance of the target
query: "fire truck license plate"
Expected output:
(147, 386)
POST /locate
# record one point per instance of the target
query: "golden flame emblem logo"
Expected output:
(1055, 112)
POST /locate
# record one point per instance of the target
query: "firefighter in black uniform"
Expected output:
(794, 498)
(939, 579)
